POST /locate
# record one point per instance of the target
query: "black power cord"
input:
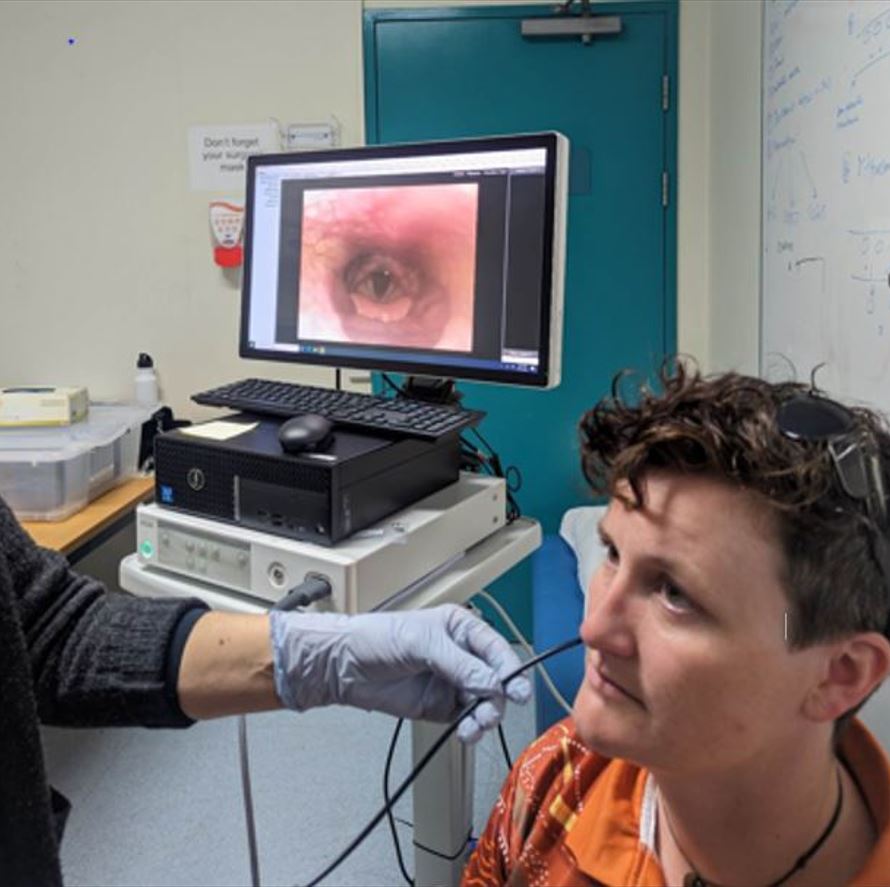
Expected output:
(395, 386)
(474, 459)
(247, 795)
(389, 804)
(421, 764)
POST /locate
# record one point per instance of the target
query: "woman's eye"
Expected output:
(675, 598)
(611, 552)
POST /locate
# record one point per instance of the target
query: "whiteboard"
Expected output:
(825, 293)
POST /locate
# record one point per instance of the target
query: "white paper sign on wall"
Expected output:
(218, 154)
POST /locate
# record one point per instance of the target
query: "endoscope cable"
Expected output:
(247, 795)
(421, 764)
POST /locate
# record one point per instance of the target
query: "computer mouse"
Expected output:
(305, 434)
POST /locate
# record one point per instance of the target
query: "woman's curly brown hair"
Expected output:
(725, 426)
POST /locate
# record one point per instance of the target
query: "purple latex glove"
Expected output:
(418, 664)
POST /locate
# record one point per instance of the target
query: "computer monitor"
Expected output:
(431, 259)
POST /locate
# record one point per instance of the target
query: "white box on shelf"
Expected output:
(49, 473)
(41, 405)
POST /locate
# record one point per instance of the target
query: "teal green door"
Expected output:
(440, 73)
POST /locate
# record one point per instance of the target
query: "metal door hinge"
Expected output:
(665, 92)
(664, 188)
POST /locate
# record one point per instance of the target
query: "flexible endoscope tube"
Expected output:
(248, 802)
(559, 648)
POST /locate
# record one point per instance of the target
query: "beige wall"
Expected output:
(718, 245)
(104, 249)
(106, 252)
(734, 187)
(694, 175)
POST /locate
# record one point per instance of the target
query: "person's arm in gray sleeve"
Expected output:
(96, 658)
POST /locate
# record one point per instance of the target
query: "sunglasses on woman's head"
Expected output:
(854, 453)
(813, 418)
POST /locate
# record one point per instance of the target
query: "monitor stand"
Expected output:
(431, 389)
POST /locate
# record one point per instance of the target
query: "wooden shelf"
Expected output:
(68, 535)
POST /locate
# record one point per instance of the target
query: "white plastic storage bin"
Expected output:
(49, 473)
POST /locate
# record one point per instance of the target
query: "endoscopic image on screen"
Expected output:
(391, 265)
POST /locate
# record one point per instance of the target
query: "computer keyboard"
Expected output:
(347, 409)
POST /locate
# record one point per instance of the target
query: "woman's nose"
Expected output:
(608, 623)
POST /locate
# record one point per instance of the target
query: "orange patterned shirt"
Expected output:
(568, 816)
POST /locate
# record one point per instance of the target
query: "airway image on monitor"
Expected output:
(432, 258)
(388, 265)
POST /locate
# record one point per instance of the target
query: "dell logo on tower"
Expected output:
(195, 479)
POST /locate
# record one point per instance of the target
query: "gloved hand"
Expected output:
(425, 664)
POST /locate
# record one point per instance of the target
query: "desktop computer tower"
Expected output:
(321, 497)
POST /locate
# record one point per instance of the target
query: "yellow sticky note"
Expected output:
(219, 429)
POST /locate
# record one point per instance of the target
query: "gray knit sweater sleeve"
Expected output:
(97, 658)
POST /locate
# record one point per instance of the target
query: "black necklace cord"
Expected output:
(446, 735)
(694, 879)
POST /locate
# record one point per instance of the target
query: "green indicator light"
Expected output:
(147, 549)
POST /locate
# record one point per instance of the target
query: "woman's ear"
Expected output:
(854, 667)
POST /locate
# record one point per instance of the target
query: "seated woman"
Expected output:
(738, 623)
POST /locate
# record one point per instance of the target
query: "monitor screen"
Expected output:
(437, 258)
